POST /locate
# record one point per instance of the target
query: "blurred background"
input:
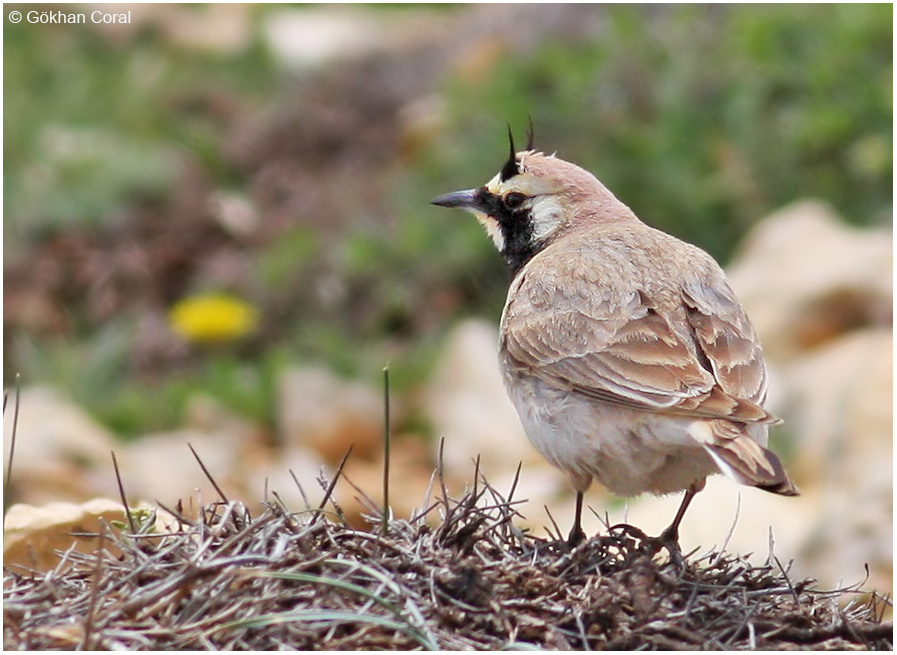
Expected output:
(217, 232)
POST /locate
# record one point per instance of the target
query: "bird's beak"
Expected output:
(458, 199)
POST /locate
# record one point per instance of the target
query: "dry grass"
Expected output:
(303, 580)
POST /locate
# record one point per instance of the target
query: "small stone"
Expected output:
(33, 535)
(805, 277)
(160, 467)
(839, 411)
(410, 470)
(319, 411)
(60, 451)
(273, 474)
(469, 407)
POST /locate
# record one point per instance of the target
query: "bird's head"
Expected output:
(534, 199)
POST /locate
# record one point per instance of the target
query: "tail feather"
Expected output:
(750, 463)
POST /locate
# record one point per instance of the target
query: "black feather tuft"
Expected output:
(509, 170)
(530, 135)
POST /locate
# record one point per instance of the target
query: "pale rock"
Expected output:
(468, 406)
(410, 471)
(60, 451)
(852, 528)
(839, 411)
(828, 533)
(805, 277)
(33, 535)
(820, 295)
(206, 413)
(724, 514)
(273, 475)
(235, 212)
(840, 415)
(310, 37)
(306, 38)
(160, 467)
(319, 411)
(216, 28)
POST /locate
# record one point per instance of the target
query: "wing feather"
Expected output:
(698, 356)
(726, 336)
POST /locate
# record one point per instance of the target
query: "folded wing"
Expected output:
(701, 359)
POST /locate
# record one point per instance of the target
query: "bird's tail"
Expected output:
(747, 462)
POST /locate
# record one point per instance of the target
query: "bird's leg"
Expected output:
(669, 538)
(577, 536)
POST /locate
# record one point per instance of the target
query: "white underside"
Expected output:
(628, 451)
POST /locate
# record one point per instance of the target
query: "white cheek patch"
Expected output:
(493, 230)
(547, 215)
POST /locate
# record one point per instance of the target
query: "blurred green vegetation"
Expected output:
(702, 118)
(706, 118)
(91, 125)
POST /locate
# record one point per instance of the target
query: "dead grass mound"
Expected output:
(288, 580)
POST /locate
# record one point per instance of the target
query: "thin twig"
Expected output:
(384, 526)
(731, 528)
(332, 486)
(94, 591)
(12, 442)
(514, 483)
(787, 580)
(557, 531)
(121, 493)
(208, 475)
(440, 468)
(301, 490)
(469, 584)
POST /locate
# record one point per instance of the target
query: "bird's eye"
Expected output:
(513, 200)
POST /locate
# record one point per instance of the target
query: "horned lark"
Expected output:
(625, 352)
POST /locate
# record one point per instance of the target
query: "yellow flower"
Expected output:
(212, 318)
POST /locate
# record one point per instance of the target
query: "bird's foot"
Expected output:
(577, 536)
(651, 546)
(669, 541)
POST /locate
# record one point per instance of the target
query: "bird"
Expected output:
(624, 350)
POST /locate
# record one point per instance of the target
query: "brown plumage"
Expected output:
(624, 350)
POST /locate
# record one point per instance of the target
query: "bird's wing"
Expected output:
(724, 334)
(701, 359)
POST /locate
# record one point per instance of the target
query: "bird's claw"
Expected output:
(577, 536)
